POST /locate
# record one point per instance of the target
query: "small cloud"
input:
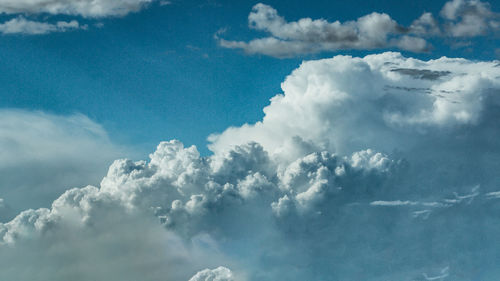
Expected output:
(84, 8)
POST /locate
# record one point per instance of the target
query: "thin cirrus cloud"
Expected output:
(394, 177)
(88, 9)
(460, 18)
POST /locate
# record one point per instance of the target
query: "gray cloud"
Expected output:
(468, 18)
(460, 18)
(422, 73)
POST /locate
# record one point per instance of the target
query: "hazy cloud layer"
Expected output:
(459, 18)
(44, 154)
(374, 168)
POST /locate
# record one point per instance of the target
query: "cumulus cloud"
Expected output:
(374, 168)
(45, 154)
(460, 18)
(396, 98)
(21, 25)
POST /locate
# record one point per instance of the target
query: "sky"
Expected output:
(162, 64)
(278, 140)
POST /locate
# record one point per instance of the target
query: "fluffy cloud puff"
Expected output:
(374, 168)
(460, 18)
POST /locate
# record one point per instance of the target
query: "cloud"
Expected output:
(85, 8)
(460, 18)
(468, 18)
(425, 25)
(375, 168)
(397, 98)
(88, 235)
(45, 154)
(311, 36)
(21, 25)
(89, 9)
(218, 274)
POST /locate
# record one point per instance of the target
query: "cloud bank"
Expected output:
(460, 18)
(374, 168)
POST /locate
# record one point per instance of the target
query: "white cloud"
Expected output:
(21, 25)
(85, 8)
(396, 97)
(363, 169)
(219, 274)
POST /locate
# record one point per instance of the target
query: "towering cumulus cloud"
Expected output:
(374, 168)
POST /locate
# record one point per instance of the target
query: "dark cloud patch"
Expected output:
(425, 74)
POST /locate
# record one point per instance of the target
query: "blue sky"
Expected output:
(283, 140)
(159, 74)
